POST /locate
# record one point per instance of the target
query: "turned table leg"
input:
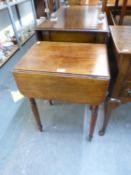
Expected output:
(94, 111)
(51, 102)
(109, 105)
(107, 111)
(36, 113)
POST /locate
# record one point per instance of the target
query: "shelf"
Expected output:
(3, 6)
(15, 48)
(13, 17)
(31, 34)
(17, 2)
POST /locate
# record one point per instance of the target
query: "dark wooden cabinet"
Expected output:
(121, 90)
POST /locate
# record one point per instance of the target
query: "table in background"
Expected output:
(64, 71)
(75, 24)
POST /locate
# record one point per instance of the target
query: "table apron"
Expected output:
(58, 87)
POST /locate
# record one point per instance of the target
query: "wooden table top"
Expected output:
(75, 18)
(89, 2)
(68, 59)
(112, 2)
(122, 38)
(83, 2)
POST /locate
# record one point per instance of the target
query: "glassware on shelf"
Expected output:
(8, 46)
(2, 2)
(7, 35)
(26, 32)
(1, 45)
(5, 50)
(2, 56)
(32, 26)
(22, 37)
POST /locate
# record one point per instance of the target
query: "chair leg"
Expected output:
(36, 113)
(94, 111)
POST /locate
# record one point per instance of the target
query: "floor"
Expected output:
(62, 148)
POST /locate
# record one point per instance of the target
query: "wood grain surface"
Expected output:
(122, 38)
(75, 18)
(121, 91)
(73, 58)
(64, 71)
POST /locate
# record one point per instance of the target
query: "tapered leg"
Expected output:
(50, 102)
(109, 105)
(94, 111)
(36, 113)
(90, 107)
(107, 111)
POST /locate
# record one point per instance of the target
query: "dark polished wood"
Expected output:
(104, 5)
(50, 5)
(65, 71)
(94, 111)
(82, 2)
(123, 12)
(40, 8)
(51, 102)
(75, 24)
(36, 113)
(118, 11)
(121, 91)
(121, 37)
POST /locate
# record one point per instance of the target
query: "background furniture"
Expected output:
(64, 71)
(75, 24)
(121, 90)
(118, 12)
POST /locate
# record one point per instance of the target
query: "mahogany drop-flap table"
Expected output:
(71, 72)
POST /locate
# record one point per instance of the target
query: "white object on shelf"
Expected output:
(2, 56)
(2, 5)
(7, 44)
